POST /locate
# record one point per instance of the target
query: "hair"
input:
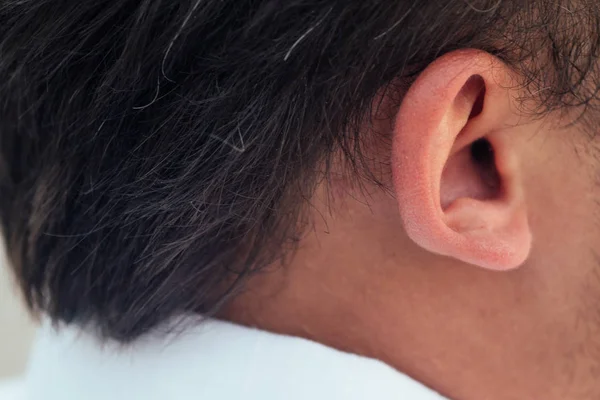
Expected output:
(154, 154)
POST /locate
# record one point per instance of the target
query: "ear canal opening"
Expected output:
(471, 173)
(484, 160)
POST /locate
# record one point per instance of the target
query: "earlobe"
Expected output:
(456, 172)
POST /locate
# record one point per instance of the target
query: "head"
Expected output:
(415, 181)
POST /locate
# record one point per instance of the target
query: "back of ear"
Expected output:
(455, 165)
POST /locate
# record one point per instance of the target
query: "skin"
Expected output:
(490, 298)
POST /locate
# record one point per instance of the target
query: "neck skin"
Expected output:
(364, 287)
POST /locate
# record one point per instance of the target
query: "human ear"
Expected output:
(455, 164)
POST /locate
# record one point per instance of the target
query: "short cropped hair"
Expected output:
(154, 154)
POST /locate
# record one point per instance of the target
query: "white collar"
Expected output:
(213, 360)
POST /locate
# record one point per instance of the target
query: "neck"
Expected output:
(461, 350)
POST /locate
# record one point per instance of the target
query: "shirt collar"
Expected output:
(211, 360)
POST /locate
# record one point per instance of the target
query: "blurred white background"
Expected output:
(16, 327)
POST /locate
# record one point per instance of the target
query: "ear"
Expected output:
(455, 165)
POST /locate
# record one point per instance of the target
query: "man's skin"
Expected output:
(481, 281)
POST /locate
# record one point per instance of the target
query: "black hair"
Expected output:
(154, 153)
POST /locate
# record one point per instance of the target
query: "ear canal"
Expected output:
(471, 173)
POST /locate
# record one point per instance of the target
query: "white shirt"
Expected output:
(213, 360)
